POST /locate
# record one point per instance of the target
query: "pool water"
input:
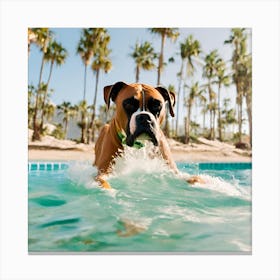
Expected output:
(148, 210)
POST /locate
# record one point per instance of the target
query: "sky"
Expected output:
(67, 80)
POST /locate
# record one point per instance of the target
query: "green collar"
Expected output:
(122, 137)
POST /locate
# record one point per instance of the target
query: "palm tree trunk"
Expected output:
(239, 123)
(160, 64)
(178, 97)
(45, 97)
(239, 110)
(85, 82)
(240, 119)
(239, 101)
(83, 127)
(188, 124)
(91, 130)
(204, 113)
(214, 121)
(66, 128)
(166, 125)
(211, 124)
(36, 133)
(137, 73)
(211, 111)
(219, 113)
(83, 140)
(249, 113)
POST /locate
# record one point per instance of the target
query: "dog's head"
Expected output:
(140, 109)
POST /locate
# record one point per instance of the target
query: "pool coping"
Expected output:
(63, 165)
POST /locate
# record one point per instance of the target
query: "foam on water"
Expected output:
(219, 185)
(82, 173)
(145, 160)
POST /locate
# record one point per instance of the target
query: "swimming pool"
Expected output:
(149, 210)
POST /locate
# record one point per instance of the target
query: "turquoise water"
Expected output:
(148, 210)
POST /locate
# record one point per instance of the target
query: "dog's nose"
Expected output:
(143, 119)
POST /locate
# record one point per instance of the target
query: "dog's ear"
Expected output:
(169, 97)
(111, 92)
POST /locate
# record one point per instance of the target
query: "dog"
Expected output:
(140, 110)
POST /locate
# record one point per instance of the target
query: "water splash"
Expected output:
(136, 167)
(82, 173)
(217, 184)
(147, 160)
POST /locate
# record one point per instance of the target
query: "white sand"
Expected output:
(206, 151)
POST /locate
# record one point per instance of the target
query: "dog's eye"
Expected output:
(131, 105)
(155, 106)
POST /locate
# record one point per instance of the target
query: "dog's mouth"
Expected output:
(142, 134)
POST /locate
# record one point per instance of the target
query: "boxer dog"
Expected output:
(140, 110)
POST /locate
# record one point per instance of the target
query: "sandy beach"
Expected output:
(205, 151)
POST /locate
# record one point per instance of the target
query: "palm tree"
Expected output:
(247, 81)
(68, 112)
(188, 49)
(44, 97)
(31, 38)
(212, 61)
(238, 40)
(228, 114)
(222, 80)
(55, 54)
(203, 103)
(143, 56)
(86, 51)
(171, 33)
(101, 62)
(31, 95)
(43, 35)
(49, 110)
(87, 47)
(195, 91)
(82, 109)
(38, 36)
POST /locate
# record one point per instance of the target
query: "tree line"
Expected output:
(93, 49)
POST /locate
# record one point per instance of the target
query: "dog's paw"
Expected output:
(102, 183)
(105, 185)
